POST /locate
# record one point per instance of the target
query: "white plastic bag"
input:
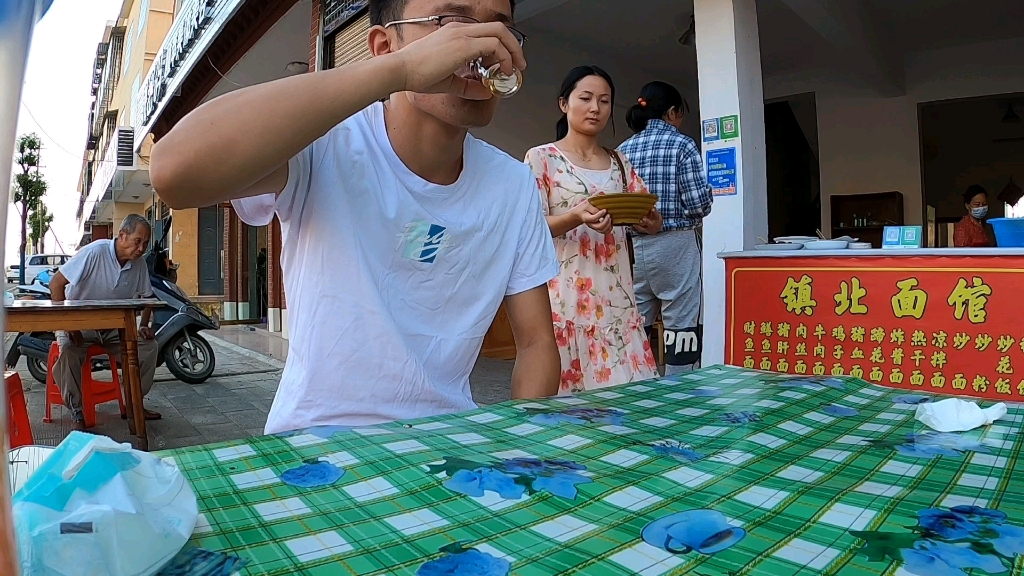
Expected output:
(956, 415)
(99, 508)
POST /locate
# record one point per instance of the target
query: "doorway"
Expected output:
(791, 149)
(971, 141)
(256, 252)
(211, 243)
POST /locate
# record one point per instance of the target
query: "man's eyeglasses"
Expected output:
(444, 19)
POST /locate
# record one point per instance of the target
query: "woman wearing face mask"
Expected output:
(970, 231)
(598, 328)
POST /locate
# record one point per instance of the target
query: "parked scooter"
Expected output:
(188, 356)
(35, 346)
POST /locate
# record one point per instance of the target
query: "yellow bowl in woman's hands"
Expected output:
(625, 209)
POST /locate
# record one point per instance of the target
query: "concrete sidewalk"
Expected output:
(232, 404)
(491, 380)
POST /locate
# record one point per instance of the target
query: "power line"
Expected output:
(45, 133)
(79, 157)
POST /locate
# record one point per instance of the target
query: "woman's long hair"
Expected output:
(569, 84)
(656, 99)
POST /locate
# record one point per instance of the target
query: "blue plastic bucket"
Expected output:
(1009, 232)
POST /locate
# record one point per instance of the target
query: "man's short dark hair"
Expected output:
(384, 11)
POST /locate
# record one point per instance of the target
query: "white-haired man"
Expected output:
(104, 270)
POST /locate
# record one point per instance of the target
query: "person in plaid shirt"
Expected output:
(667, 268)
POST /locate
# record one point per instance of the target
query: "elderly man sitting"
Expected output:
(105, 270)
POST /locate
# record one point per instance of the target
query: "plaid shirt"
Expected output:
(670, 164)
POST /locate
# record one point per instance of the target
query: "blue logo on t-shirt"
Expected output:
(422, 241)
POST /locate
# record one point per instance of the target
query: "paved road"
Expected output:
(232, 404)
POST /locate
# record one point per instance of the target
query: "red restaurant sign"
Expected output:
(951, 325)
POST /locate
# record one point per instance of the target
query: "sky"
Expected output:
(55, 105)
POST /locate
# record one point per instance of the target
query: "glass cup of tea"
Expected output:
(500, 84)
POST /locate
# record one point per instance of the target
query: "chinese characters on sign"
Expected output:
(948, 330)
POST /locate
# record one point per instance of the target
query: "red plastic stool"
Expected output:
(18, 426)
(93, 391)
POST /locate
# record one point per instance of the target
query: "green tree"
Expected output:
(40, 221)
(29, 187)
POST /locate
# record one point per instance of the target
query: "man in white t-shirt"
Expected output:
(402, 234)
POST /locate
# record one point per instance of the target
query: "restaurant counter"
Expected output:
(946, 320)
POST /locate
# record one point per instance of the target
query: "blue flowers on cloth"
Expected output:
(948, 542)
(192, 561)
(740, 417)
(929, 558)
(911, 399)
(837, 410)
(705, 392)
(512, 478)
(704, 531)
(946, 524)
(475, 482)
(459, 561)
(813, 383)
(676, 450)
(931, 444)
(312, 473)
(577, 416)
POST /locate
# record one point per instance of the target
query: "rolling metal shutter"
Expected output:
(349, 44)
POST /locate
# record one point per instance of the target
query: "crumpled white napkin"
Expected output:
(956, 415)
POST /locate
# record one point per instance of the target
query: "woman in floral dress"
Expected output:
(599, 330)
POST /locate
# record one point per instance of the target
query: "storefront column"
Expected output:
(729, 72)
(274, 290)
(231, 224)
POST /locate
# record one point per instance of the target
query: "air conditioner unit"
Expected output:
(126, 159)
(87, 229)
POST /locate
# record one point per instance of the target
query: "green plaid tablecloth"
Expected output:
(797, 464)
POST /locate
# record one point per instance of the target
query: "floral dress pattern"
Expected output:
(600, 333)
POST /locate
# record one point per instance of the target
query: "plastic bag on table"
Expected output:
(99, 508)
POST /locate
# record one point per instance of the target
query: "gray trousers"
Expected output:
(68, 369)
(667, 278)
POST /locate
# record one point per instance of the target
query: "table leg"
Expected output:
(129, 404)
(131, 354)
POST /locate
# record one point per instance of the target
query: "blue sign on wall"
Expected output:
(721, 167)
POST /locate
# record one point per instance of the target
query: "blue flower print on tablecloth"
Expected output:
(931, 444)
(813, 383)
(928, 558)
(460, 561)
(576, 415)
(948, 542)
(705, 531)
(312, 473)
(911, 399)
(676, 450)
(475, 482)
(324, 432)
(841, 411)
(512, 478)
(705, 391)
(740, 417)
(193, 561)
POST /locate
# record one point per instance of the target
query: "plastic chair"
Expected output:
(19, 429)
(93, 391)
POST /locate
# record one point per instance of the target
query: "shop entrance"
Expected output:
(967, 142)
(256, 256)
(794, 186)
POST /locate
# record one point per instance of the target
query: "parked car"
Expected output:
(35, 264)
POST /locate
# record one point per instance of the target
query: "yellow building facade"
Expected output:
(115, 174)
